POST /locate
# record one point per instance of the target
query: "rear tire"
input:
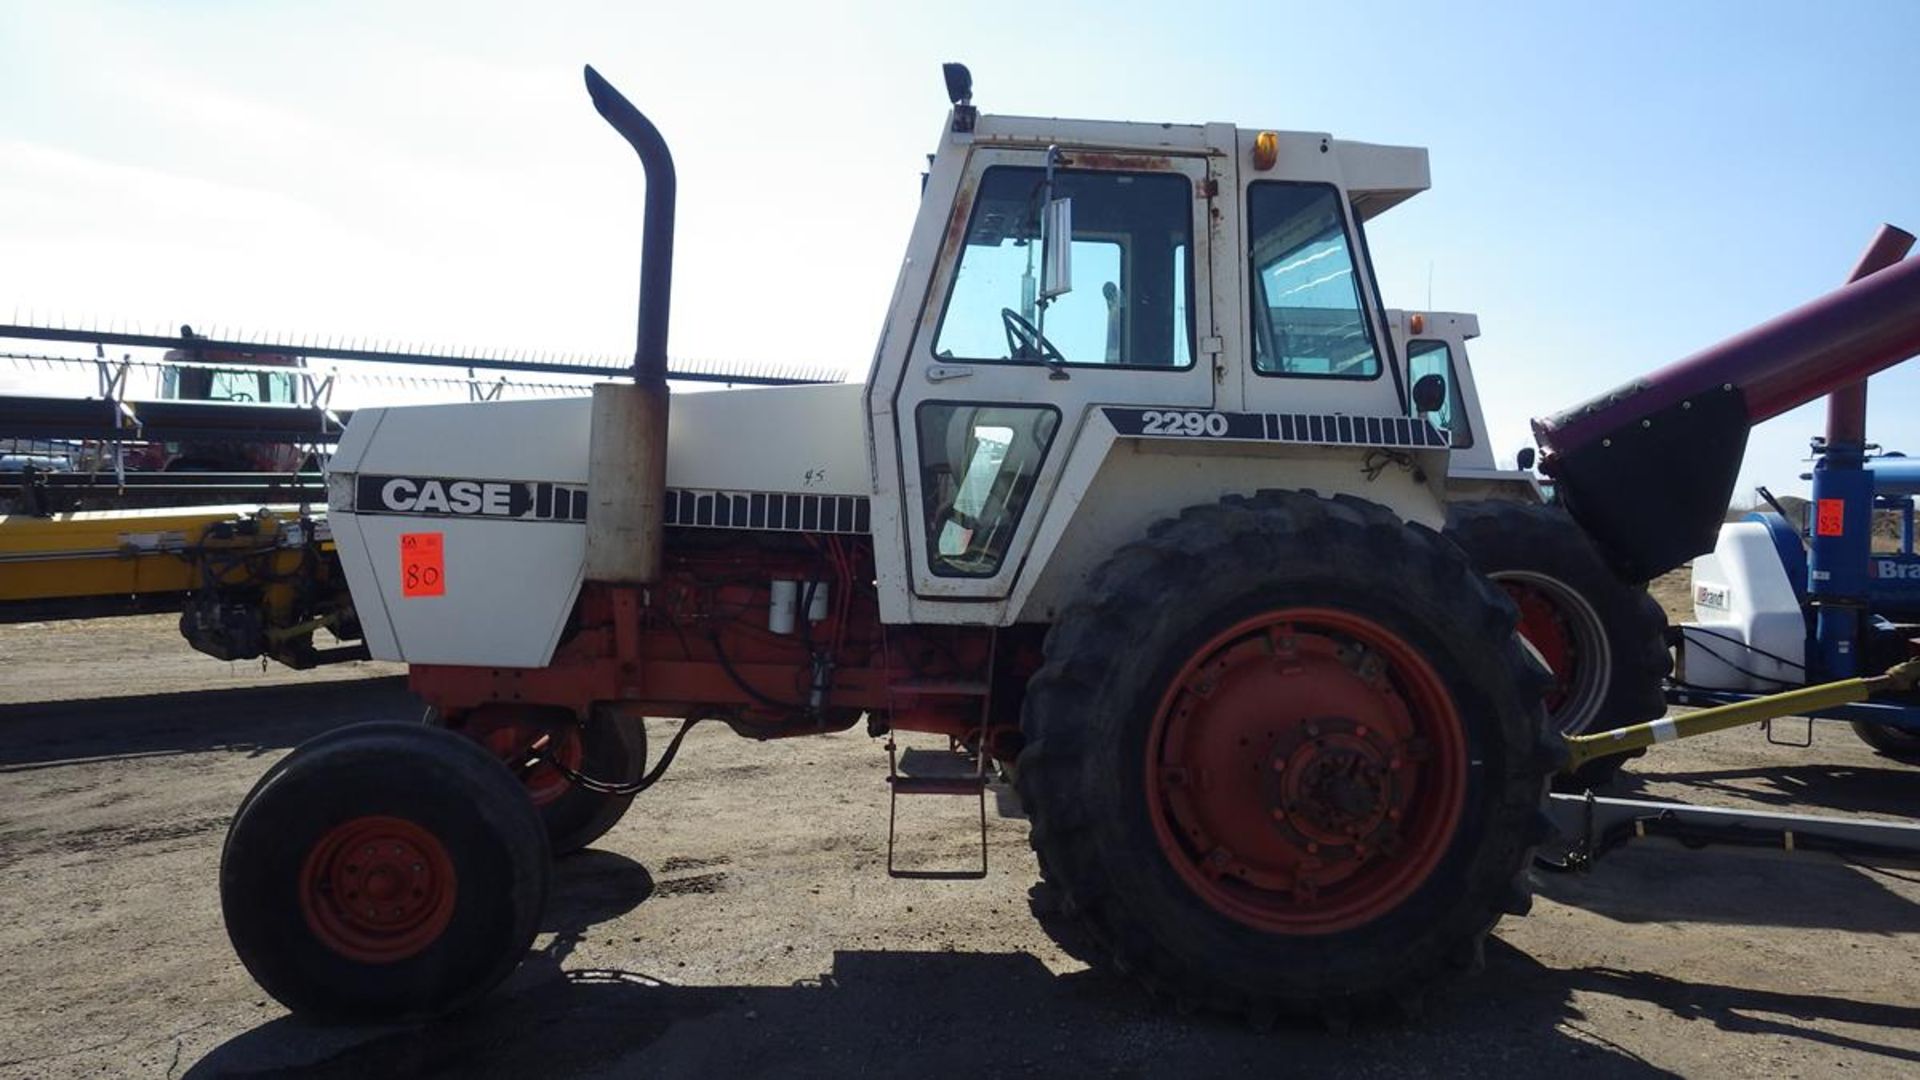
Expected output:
(1896, 743)
(1603, 638)
(383, 872)
(604, 747)
(1155, 719)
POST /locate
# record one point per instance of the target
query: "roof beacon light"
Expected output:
(1266, 150)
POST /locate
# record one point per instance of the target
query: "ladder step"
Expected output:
(951, 687)
(938, 785)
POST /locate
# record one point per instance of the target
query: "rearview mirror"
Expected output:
(1429, 393)
(1056, 269)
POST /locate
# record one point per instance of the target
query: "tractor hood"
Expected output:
(447, 512)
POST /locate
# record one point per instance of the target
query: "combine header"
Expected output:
(1136, 501)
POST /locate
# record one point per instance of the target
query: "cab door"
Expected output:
(999, 380)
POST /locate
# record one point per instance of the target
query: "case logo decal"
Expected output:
(436, 496)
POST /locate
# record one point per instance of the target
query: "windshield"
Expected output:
(1129, 304)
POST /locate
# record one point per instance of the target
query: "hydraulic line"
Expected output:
(536, 754)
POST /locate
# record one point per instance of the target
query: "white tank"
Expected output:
(1748, 633)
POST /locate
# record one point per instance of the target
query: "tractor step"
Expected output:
(969, 784)
(937, 785)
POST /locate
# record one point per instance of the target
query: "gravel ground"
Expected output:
(739, 921)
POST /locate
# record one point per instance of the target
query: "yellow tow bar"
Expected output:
(1811, 699)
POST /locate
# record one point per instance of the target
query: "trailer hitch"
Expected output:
(1591, 826)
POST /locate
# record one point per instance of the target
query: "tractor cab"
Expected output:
(1433, 345)
(1092, 287)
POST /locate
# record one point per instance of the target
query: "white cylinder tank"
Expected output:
(1748, 632)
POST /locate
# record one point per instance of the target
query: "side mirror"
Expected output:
(1056, 261)
(1524, 458)
(1429, 393)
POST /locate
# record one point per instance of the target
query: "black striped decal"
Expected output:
(548, 501)
(775, 511)
(1312, 429)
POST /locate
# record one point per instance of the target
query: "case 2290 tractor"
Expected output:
(1135, 501)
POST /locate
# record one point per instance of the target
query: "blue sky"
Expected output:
(1615, 185)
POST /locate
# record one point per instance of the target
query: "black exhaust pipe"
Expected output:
(656, 246)
(627, 447)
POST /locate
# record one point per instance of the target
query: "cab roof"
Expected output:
(1377, 177)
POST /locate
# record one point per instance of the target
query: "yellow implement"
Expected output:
(250, 582)
(110, 553)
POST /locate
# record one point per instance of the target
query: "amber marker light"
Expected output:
(1266, 150)
(1417, 323)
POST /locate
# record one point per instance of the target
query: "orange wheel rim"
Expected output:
(378, 889)
(1306, 771)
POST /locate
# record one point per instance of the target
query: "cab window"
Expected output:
(1436, 358)
(226, 384)
(978, 466)
(1129, 306)
(260, 386)
(1305, 294)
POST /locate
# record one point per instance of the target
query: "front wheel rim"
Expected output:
(378, 889)
(1306, 771)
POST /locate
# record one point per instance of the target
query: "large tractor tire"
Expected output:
(603, 747)
(1287, 756)
(1890, 742)
(383, 872)
(1603, 638)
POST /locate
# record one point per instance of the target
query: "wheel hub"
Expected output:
(377, 889)
(1306, 771)
(1333, 782)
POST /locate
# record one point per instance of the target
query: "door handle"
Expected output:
(947, 372)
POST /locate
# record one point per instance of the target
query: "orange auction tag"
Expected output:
(1830, 518)
(423, 567)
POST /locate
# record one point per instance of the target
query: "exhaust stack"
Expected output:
(627, 453)
(1649, 467)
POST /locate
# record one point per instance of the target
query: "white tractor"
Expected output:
(1136, 500)
(1600, 634)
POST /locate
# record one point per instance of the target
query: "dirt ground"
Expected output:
(739, 921)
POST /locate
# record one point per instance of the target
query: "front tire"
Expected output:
(1287, 755)
(383, 872)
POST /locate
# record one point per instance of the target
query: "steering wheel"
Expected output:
(1025, 340)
